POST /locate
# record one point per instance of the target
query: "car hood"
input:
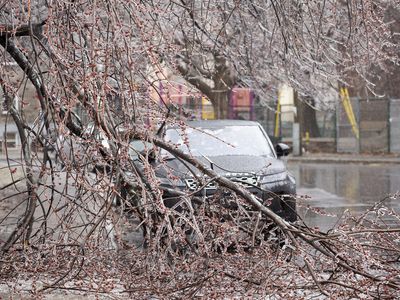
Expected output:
(224, 165)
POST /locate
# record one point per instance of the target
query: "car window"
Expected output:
(138, 146)
(227, 140)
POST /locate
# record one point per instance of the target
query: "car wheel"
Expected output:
(288, 204)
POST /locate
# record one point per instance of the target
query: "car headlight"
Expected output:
(273, 177)
(291, 178)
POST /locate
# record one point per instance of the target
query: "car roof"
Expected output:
(220, 123)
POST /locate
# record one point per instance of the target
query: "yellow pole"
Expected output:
(344, 93)
(307, 137)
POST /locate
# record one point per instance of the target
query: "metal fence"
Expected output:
(374, 125)
(377, 124)
(394, 125)
(266, 117)
(355, 126)
(346, 139)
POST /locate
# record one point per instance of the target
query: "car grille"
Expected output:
(245, 179)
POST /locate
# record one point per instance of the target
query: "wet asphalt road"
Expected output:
(340, 187)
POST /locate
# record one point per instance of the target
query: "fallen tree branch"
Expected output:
(288, 228)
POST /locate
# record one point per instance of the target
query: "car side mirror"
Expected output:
(282, 149)
(152, 156)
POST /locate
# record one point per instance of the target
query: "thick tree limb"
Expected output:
(8, 31)
(288, 228)
(25, 225)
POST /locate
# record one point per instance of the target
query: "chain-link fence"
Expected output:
(374, 125)
(282, 127)
(356, 126)
(375, 129)
(346, 138)
(266, 117)
(394, 125)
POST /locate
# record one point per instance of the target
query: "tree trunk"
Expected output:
(307, 117)
(220, 102)
(224, 79)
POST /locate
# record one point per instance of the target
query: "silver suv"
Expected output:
(236, 149)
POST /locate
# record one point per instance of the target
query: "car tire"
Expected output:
(288, 204)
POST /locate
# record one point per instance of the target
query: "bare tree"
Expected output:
(261, 43)
(91, 65)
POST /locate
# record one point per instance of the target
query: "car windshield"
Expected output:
(138, 146)
(227, 140)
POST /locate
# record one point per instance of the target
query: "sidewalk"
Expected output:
(345, 158)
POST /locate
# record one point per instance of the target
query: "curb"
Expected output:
(344, 160)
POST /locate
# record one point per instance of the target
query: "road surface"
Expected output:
(340, 187)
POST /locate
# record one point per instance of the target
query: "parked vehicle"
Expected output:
(238, 150)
